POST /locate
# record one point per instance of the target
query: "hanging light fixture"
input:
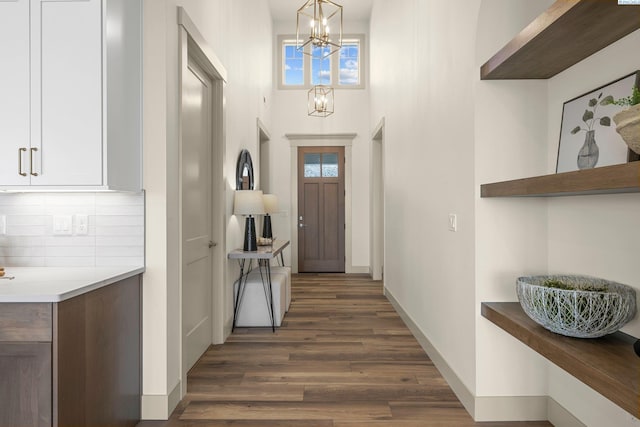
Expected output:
(320, 101)
(319, 28)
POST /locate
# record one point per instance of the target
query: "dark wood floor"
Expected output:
(343, 358)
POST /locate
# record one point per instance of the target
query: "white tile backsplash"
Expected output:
(115, 234)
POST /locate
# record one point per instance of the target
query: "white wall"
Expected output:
(351, 116)
(246, 55)
(422, 74)
(115, 235)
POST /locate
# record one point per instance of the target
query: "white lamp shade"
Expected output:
(270, 203)
(248, 202)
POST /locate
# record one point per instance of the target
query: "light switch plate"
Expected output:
(3, 225)
(453, 222)
(62, 225)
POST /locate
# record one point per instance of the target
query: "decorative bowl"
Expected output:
(628, 126)
(591, 308)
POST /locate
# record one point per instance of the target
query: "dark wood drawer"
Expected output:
(25, 322)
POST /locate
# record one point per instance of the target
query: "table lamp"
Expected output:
(270, 206)
(249, 203)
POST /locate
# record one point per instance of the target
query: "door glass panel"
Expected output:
(312, 165)
(330, 165)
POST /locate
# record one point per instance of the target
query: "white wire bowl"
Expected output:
(577, 313)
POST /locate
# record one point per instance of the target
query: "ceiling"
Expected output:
(353, 10)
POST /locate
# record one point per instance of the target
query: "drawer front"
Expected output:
(25, 322)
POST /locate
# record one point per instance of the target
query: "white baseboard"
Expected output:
(462, 392)
(356, 269)
(510, 408)
(160, 406)
(560, 417)
(489, 408)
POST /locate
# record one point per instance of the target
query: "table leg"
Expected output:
(273, 318)
(239, 292)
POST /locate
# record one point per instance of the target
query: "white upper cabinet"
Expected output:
(83, 72)
(14, 92)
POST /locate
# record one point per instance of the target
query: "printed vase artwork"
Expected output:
(589, 153)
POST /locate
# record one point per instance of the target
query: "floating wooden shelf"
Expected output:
(608, 364)
(565, 34)
(624, 178)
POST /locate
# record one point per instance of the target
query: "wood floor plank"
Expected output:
(342, 358)
(225, 393)
(286, 411)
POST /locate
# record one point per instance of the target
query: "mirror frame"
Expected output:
(244, 161)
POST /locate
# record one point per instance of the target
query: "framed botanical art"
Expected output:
(588, 136)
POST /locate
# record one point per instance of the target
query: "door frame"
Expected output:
(323, 140)
(377, 203)
(263, 156)
(193, 45)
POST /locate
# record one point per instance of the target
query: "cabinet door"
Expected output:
(25, 388)
(14, 90)
(67, 83)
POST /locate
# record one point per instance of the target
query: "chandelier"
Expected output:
(320, 102)
(319, 28)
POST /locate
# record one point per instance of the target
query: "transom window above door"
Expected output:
(342, 70)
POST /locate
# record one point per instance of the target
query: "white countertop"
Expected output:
(55, 284)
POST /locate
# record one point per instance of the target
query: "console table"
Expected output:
(263, 255)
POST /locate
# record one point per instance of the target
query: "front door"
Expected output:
(197, 224)
(321, 224)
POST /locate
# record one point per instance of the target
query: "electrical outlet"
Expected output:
(82, 225)
(62, 225)
(453, 222)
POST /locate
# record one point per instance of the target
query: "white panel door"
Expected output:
(14, 91)
(197, 275)
(67, 82)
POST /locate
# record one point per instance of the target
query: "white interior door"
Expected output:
(197, 286)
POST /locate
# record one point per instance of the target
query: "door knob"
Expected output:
(212, 243)
(300, 218)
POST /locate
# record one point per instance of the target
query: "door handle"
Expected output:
(20, 150)
(303, 225)
(31, 161)
(212, 244)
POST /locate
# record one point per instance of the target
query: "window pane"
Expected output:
(320, 68)
(330, 165)
(293, 66)
(350, 64)
(311, 165)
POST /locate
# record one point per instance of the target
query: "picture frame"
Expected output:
(588, 136)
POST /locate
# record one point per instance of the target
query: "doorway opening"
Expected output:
(376, 253)
(323, 140)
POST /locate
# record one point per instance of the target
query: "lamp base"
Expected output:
(266, 227)
(250, 242)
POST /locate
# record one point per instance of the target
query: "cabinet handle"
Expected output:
(20, 150)
(31, 162)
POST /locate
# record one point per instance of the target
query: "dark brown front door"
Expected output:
(321, 209)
